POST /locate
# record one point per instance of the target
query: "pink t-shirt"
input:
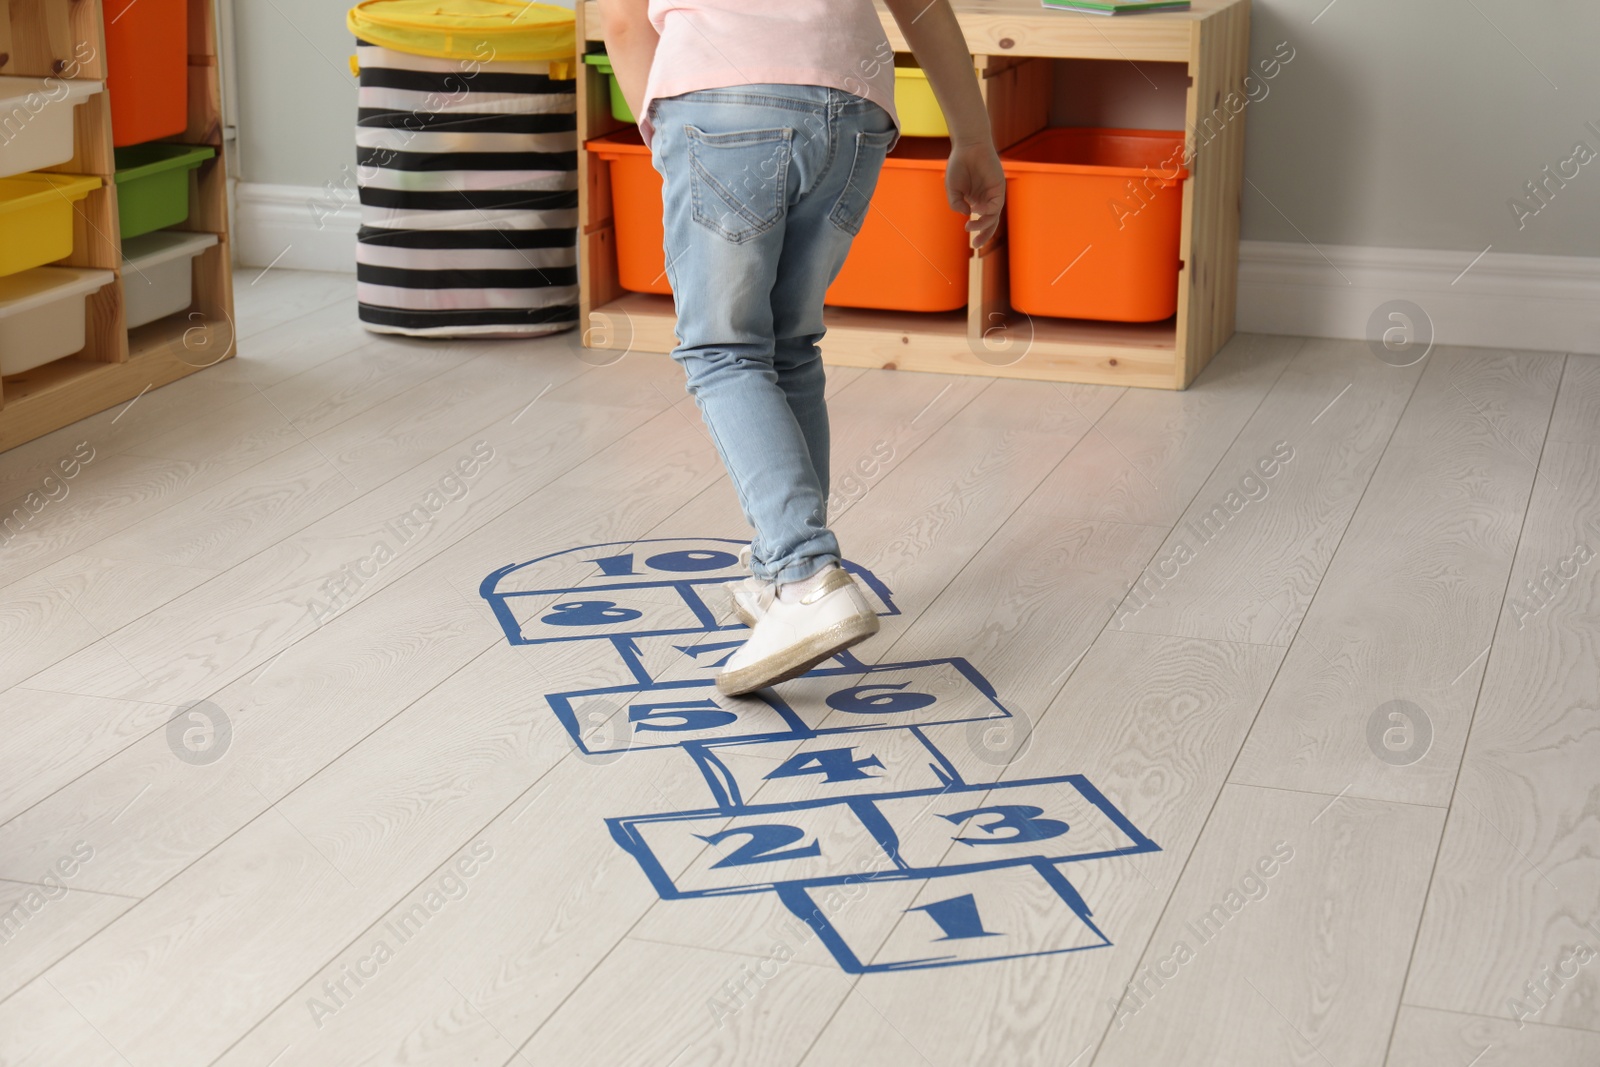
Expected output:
(714, 44)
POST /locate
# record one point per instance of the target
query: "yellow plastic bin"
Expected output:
(36, 217)
(914, 102)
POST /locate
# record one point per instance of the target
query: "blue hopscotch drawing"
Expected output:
(838, 783)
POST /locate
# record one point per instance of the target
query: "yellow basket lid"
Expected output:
(484, 30)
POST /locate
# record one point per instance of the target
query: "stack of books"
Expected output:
(1117, 7)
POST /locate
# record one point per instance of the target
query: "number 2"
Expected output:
(766, 843)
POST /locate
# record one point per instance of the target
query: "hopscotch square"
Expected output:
(824, 767)
(854, 696)
(626, 718)
(715, 853)
(976, 827)
(631, 578)
(660, 658)
(579, 613)
(980, 917)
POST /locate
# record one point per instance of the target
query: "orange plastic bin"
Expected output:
(635, 210)
(147, 69)
(1094, 223)
(911, 253)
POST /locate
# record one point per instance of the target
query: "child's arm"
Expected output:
(631, 44)
(974, 181)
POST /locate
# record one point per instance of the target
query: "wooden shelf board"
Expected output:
(1141, 354)
(1023, 28)
(42, 380)
(56, 394)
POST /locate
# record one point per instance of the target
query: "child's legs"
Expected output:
(727, 157)
(821, 224)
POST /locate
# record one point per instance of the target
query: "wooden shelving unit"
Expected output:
(66, 38)
(1016, 48)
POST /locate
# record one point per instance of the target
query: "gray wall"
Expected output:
(1405, 124)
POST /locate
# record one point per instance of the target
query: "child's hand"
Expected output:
(976, 186)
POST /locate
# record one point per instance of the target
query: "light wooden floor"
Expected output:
(1214, 650)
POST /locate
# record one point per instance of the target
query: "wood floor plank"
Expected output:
(333, 391)
(113, 493)
(108, 495)
(317, 474)
(1407, 608)
(75, 602)
(42, 921)
(263, 299)
(52, 738)
(1304, 965)
(244, 616)
(1272, 513)
(149, 812)
(22, 469)
(1428, 1038)
(671, 988)
(1577, 415)
(514, 975)
(239, 517)
(1518, 863)
(1152, 450)
(268, 353)
(40, 1029)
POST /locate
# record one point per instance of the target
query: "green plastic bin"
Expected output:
(619, 103)
(153, 184)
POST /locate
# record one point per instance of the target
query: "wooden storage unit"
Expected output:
(66, 38)
(1016, 46)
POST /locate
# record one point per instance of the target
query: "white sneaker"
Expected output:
(751, 596)
(791, 638)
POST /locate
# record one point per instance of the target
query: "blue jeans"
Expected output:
(765, 187)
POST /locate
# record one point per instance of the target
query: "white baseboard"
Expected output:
(297, 226)
(1542, 303)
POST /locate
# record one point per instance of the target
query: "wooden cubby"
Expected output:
(1020, 51)
(66, 38)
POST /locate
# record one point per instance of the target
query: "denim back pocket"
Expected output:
(739, 181)
(851, 208)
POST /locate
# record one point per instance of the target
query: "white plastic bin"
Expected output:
(36, 120)
(158, 273)
(42, 314)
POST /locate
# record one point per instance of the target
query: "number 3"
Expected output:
(1024, 820)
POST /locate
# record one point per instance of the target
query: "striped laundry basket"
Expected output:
(466, 146)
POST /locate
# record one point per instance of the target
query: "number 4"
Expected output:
(834, 764)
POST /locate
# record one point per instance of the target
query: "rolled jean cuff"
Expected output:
(801, 569)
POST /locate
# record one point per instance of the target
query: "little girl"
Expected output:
(769, 121)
